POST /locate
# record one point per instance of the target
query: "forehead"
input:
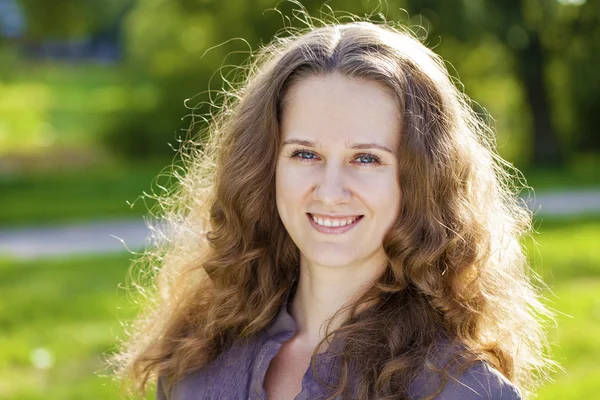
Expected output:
(335, 109)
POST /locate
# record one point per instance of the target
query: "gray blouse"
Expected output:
(239, 373)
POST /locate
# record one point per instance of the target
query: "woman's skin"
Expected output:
(318, 172)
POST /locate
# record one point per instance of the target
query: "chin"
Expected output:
(338, 258)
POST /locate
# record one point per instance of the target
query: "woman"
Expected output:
(361, 240)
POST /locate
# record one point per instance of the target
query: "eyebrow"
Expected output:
(360, 146)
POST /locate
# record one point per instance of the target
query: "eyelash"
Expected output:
(295, 153)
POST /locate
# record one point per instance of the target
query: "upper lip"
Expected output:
(336, 215)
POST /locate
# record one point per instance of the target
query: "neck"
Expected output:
(323, 290)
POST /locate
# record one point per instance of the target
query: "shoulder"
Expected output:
(480, 381)
(160, 388)
(221, 378)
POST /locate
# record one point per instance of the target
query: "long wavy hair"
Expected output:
(223, 261)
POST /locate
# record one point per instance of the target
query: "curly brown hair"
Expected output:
(225, 262)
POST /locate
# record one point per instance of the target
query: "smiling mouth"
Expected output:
(331, 225)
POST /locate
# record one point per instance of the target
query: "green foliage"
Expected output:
(46, 108)
(77, 18)
(192, 50)
(166, 43)
(577, 44)
(186, 49)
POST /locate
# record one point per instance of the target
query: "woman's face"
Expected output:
(338, 165)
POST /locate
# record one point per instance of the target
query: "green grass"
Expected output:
(567, 256)
(72, 308)
(577, 174)
(577, 338)
(77, 195)
(566, 248)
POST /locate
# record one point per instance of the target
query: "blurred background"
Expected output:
(92, 109)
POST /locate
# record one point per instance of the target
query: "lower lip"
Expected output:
(333, 229)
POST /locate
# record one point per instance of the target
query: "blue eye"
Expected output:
(368, 158)
(307, 155)
(303, 153)
(365, 158)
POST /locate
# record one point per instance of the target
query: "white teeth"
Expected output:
(333, 222)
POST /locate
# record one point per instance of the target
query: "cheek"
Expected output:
(288, 188)
(394, 203)
(381, 186)
(292, 178)
(383, 193)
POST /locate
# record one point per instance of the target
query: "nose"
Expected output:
(331, 187)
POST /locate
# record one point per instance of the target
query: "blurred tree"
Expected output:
(177, 47)
(516, 24)
(174, 47)
(64, 19)
(520, 23)
(576, 45)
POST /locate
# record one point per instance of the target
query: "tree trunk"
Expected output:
(530, 69)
